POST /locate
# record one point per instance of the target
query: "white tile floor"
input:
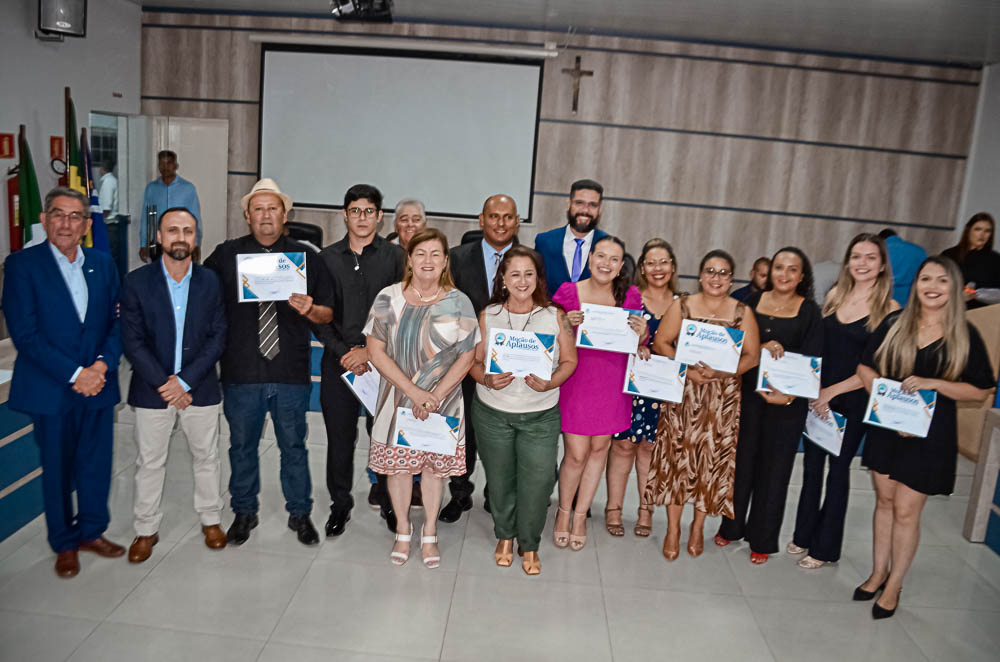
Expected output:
(273, 599)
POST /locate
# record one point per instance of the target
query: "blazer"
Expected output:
(50, 339)
(550, 246)
(469, 273)
(149, 337)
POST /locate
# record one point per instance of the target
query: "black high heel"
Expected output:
(861, 595)
(879, 612)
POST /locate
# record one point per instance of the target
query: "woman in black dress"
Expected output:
(929, 345)
(771, 422)
(854, 308)
(980, 264)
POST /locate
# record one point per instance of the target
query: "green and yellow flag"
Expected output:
(74, 160)
(29, 200)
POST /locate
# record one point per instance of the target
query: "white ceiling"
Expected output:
(963, 31)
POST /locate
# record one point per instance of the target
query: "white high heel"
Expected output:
(399, 558)
(429, 561)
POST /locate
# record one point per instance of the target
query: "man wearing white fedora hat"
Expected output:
(265, 367)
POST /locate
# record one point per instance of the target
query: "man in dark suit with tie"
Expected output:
(473, 268)
(174, 330)
(61, 305)
(565, 250)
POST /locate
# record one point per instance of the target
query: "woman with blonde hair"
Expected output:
(421, 338)
(854, 308)
(656, 278)
(927, 346)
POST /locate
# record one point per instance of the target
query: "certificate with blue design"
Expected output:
(438, 434)
(520, 353)
(889, 406)
(717, 346)
(606, 328)
(364, 386)
(659, 378)
(270, 276)
(827, 433)
(792, 374)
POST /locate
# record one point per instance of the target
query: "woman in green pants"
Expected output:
(517, 418)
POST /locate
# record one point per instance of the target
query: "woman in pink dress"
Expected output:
(591, 401)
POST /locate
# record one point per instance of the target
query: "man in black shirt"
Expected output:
(362, 264)
(265, 367)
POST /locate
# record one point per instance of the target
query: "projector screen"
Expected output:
(448, 129)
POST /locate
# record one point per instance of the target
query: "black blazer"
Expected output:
(147, 321)
(469, 273)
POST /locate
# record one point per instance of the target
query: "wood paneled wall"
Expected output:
(707, 146)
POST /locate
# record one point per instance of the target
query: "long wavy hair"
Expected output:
(540, 296)
(880, 300)
(898, 352)
(964, 245)
(419, 237)
(640, 277)
(805, 287)
(621, 283)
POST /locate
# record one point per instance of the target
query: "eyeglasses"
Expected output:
(354, 212)
(60, 215)
(721, 273)
(649, 264)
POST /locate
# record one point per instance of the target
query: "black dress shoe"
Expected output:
(879, 612)
(304, 529)
(337, 523)
(453, 511)
(861, 595)
(239, 532)
(389, 515)
(375, 496)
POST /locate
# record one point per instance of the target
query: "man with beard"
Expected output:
(173, 331)
(566, 250)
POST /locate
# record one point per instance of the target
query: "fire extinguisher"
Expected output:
(13, 222)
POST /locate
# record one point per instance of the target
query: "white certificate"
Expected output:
(719, 347)
(521, 353)
(270, 276)
(659, 378)
(792, 374)
(438, 434)
(606, 328)
(890, 407)
(364, 387)
(827, 433)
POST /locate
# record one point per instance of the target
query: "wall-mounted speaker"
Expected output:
(65, 17)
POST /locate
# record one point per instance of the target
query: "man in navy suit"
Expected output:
(174, 330)
(565, 250)
(61, 302)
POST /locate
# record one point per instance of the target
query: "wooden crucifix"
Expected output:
(577, 73)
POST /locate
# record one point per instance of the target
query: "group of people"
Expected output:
(420, 313)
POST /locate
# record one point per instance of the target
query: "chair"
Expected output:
(305, 232)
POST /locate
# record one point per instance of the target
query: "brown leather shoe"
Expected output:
(215, 537)
(67, 564)
(142, 548)
(103, 547)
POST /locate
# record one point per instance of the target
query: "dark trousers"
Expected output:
(76, 452)
(765, 455)
(340, 414)
(461, 487)
(245, 406)
(820, 529)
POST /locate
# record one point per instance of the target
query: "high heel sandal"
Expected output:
(720, 541)
(758, 559)
(861, 595)
(809, 563)
(504, 553)
(671, 552)
(576, 542)
(430, 562)
(617, 530)
(561, 538)
(879, 612)
(531, 564)
(696, 545)
(399, 558)
(643, 530)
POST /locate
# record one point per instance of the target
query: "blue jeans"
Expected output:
(245, 406)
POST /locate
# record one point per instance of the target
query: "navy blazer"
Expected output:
(550, 246)
(50, 339)
(149, 337)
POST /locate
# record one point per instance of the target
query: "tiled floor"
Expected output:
(617, 599)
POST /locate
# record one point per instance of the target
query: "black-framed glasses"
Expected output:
(354, 212)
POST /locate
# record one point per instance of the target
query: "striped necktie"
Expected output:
(267, 329)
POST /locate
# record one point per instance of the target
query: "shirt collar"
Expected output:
(170, 279)
(571, 238)
(60, 258)
(489, 250)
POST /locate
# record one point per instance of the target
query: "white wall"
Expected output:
(102, 70)
(982, 175)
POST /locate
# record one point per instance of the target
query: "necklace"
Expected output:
(510, 322)
(426, 299)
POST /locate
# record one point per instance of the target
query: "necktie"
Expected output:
(577, 261)
(267, 329)
(492, 275)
